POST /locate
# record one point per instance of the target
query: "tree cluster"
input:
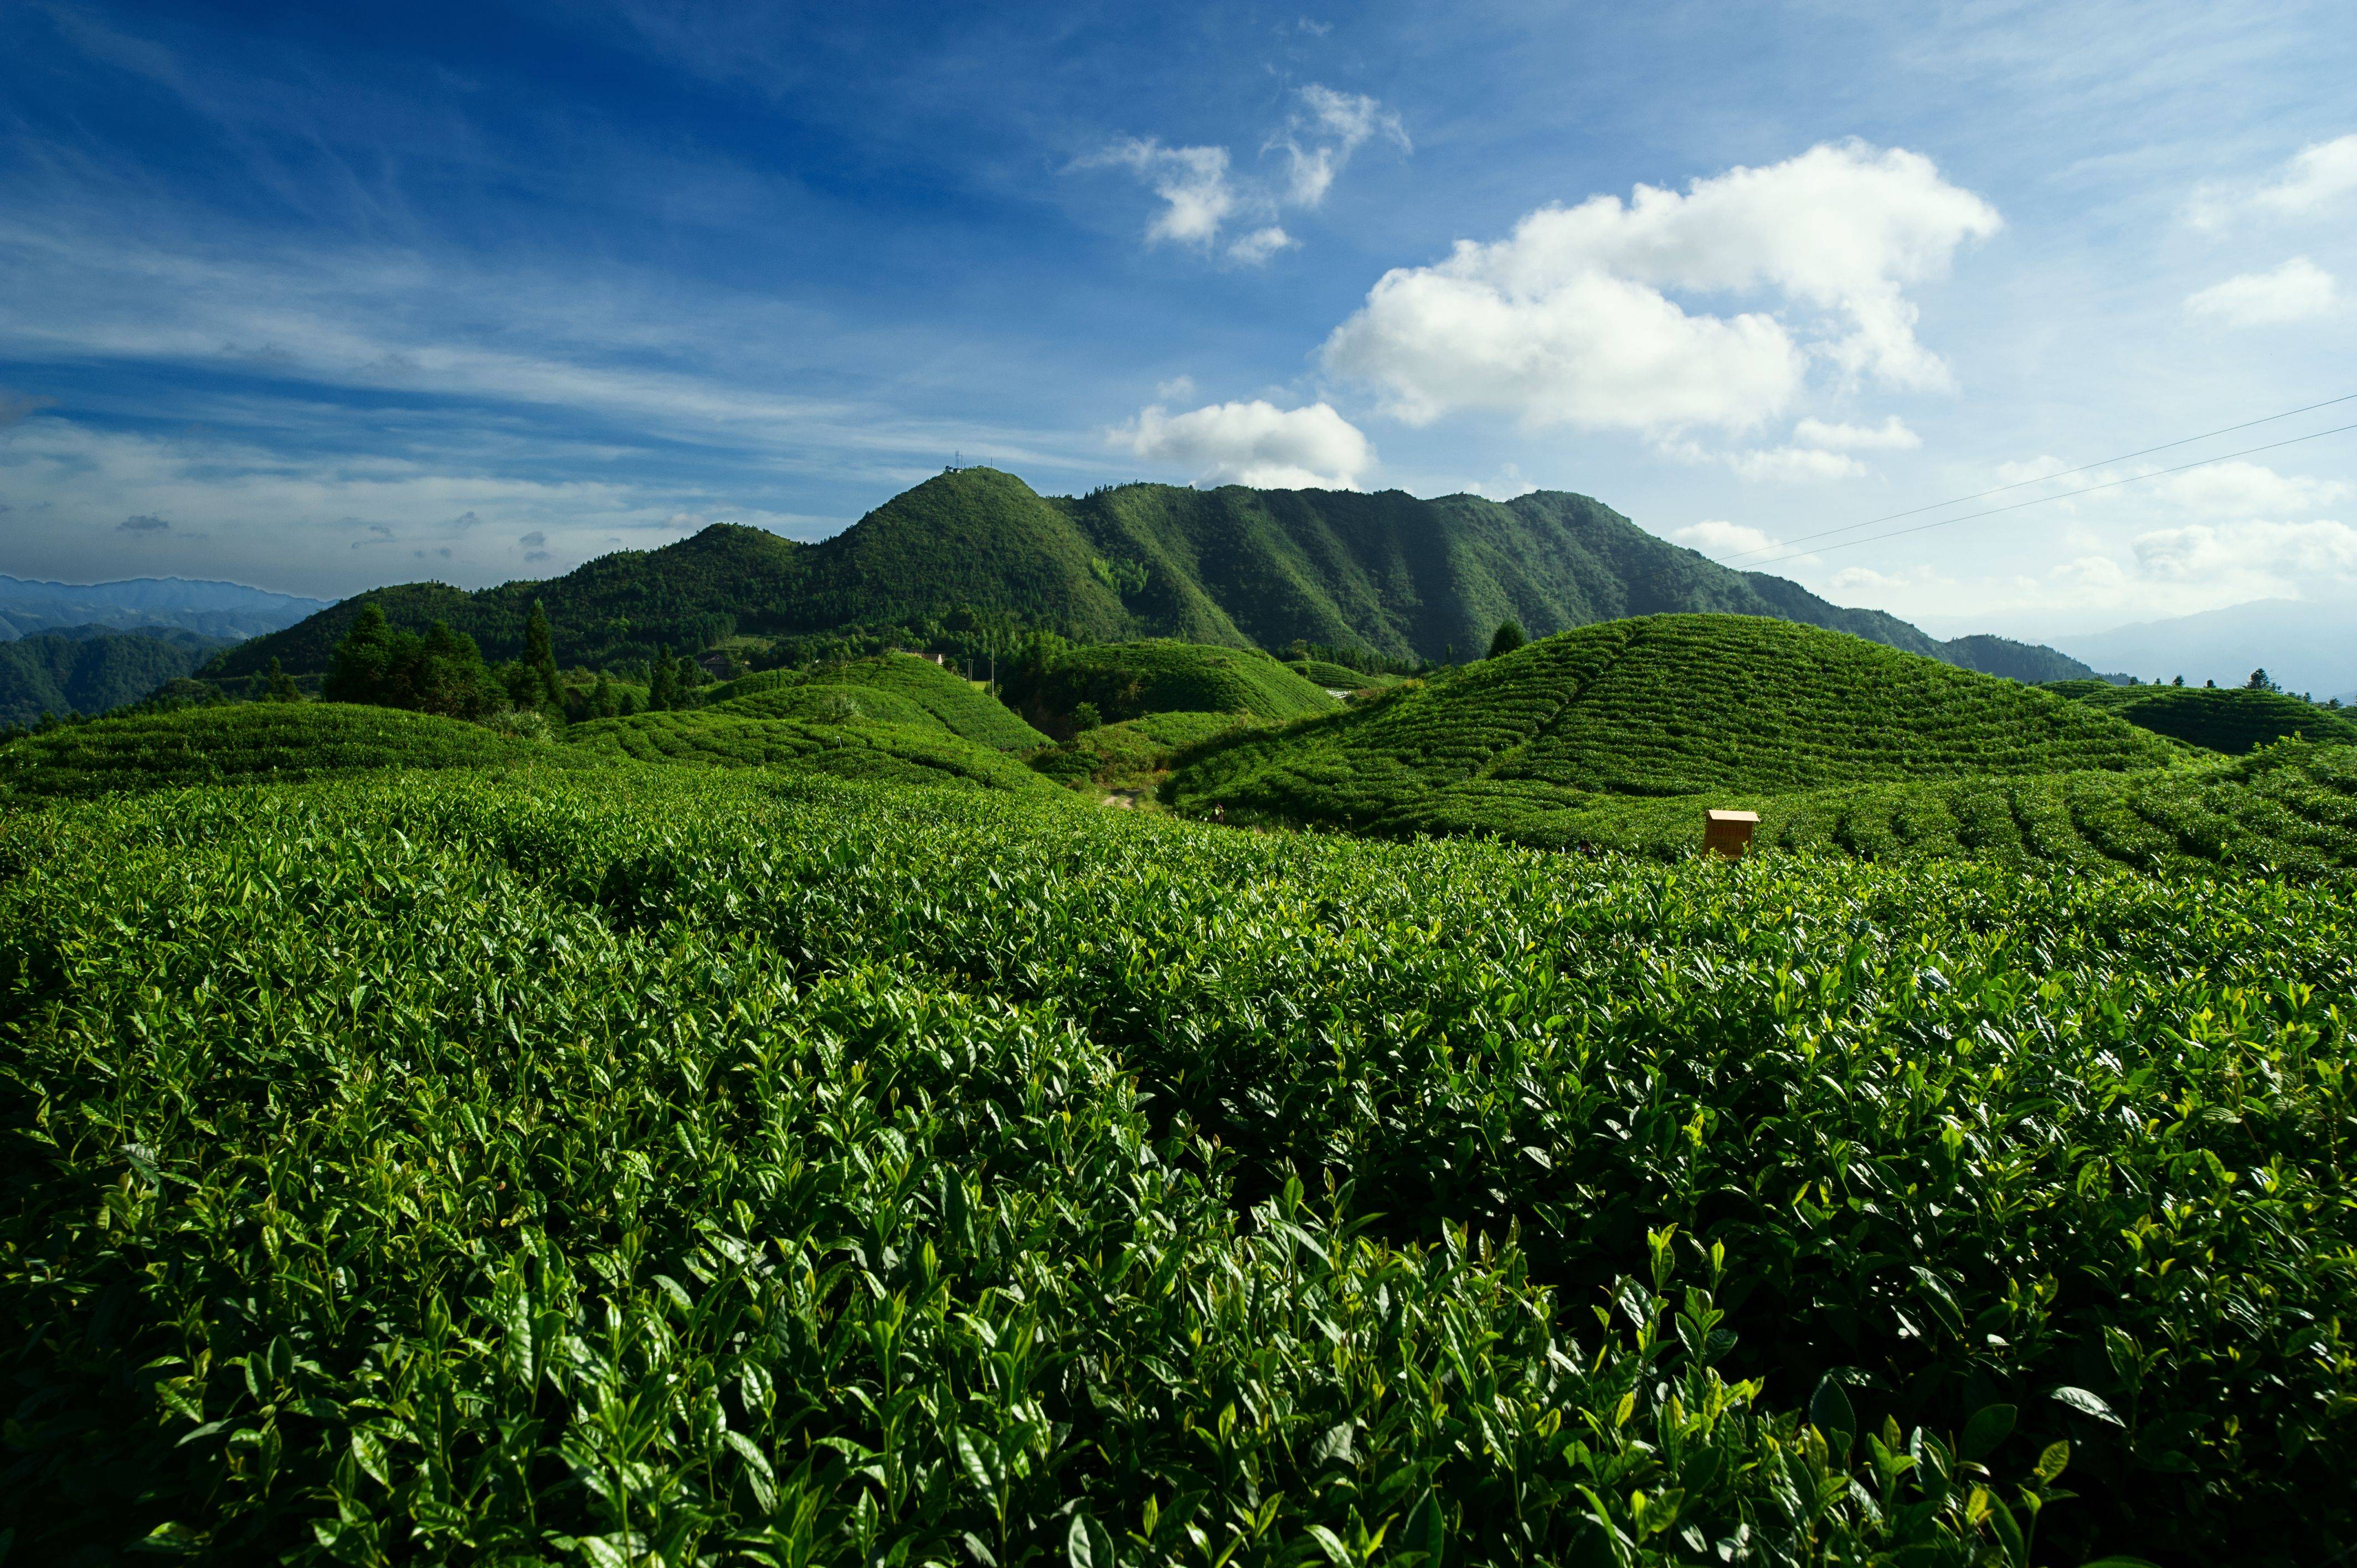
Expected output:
(439, 672)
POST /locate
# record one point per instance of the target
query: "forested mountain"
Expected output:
(228, 610)
(1387, 571)
(92, 668)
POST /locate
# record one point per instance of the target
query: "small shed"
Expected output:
(1729, 832)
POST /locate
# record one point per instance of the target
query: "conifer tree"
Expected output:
(1507, 638)
(282, 684)
(663, 690)
(362, 659)
(539, 654)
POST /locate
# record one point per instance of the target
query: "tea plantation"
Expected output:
(2231, 719)
(713, 1166)
(242, 743)
(796, 1129)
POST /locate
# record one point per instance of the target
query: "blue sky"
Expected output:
(318, 299)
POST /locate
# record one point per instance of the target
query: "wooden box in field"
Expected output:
(1729, 832)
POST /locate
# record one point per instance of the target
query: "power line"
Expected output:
(2042, 478)
(2065, 495)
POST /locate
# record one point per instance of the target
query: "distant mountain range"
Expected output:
(1389, 573)
(228, 610)
(2303, 645)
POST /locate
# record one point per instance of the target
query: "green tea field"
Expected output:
(713, 1166)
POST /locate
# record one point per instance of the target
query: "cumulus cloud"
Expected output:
(465, 519)
(2298, 290)
(1890, 435)
(1205, 198)
(1253, 443)
(1569, 320)
(1713, 536)
(144, 523)
(535, 540)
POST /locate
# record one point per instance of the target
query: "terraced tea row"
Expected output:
(2293, 807)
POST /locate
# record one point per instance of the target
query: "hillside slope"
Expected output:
(1404, 577)
(91, 670)
(1662, 705)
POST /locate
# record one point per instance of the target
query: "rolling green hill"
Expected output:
(92, 670)
(896, 688)
(1406, 578)
(1130, 680)
(2232, 720)
(247, 742)
(1661, 705)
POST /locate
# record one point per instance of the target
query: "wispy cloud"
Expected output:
(1205, 200)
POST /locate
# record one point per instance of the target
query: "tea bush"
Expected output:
(835, 734)
(706, 1167)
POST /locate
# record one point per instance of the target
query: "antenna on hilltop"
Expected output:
(957, 461)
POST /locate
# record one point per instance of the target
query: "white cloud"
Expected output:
(1253, 443)
(2310, 182)
(1177, 389)
(2240, 489)
(1908, 582)
(1569, 320)
(1795, 465)
(1191, 181)
(2298, 290)
(1890, 435)
(2284, 553)
(1715, 537)
(2315, 177)
(1261, 244)
(1321, 136)
(1203, 195)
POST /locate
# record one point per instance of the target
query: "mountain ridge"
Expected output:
(211, 607)
(1399, 577)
